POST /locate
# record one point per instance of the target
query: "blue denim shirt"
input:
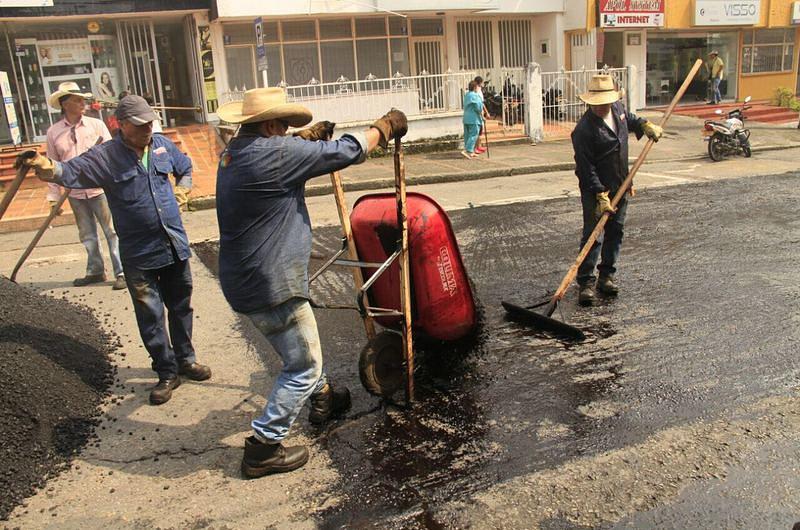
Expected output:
(265, 231)
(146, 215)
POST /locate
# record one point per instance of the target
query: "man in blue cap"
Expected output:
(133, 170)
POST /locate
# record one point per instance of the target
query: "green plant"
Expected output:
(784, 97)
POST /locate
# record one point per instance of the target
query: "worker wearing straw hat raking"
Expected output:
(600, 141)
(265, 245)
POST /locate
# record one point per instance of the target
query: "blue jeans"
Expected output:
(86, 211)
(611, 239)
(471, 132)
(152, 291)
(717, 96)
(292, 330)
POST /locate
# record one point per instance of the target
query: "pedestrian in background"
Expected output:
(69, 137)
(133, 169)
(473, 111)
(265, 246)
(717, 70)
(480, 149)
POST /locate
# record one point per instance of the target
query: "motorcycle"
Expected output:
(729, 136)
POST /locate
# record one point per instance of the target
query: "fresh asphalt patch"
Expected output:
(706, 322)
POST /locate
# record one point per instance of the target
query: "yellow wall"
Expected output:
(763, 86)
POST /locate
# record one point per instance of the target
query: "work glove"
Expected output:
(653, 131)
(322, 130)
(603, 205)
(43, 166)
(392, 125)
(182, 197)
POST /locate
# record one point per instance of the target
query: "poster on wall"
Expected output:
(107, 84)
(11, 113)
(64, 52)
(207, 64)
(727, 12)
(631, 13)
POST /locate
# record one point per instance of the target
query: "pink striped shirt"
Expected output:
(62, 145)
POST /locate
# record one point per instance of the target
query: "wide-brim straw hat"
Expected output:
(601, 91)
(66, 88)
(262, 104)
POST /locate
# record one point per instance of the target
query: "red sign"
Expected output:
(631, 13)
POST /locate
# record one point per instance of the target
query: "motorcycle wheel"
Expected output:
(747, 151)
(715, 149)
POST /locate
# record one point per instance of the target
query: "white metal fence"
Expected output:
(348, 101)
(561, 106)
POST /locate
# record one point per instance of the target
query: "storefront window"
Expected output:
(768, 50)
(671, 56)
(241, 73)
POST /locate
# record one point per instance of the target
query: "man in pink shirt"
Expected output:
(72, 136)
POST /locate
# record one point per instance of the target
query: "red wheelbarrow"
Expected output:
(404, 245)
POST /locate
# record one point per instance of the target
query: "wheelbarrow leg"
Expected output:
(405, 277)
(347, 232)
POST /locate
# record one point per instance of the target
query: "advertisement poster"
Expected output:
(64, 52)
(207, 64)
(107, 84)
(632, 13)
(11, 113)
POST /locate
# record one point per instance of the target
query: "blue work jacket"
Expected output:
(141, 200)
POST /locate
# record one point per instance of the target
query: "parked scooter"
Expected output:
(728, 137)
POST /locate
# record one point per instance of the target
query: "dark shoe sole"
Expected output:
(252, 471)
(79, 283)
(317, 420)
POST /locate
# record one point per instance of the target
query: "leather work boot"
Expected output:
(327, 403)
(606, 285)
(586, 294)
(89, 279)
(194, 371)
(264, 459)
(119, 283)
(162, 392)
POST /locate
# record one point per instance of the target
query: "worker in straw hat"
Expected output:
(265, 245)
(71, 136)
(600, 141)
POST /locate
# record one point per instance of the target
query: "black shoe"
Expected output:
(89, 279)
(194, 371)
(606, 285)
(162, 392)
(264, 459)
(119, 283)
(586, 294)
(327, 403)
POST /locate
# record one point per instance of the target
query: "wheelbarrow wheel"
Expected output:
(381, 364)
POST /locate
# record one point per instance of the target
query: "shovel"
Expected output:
(13, 188)
(54, 212)
(544, 320)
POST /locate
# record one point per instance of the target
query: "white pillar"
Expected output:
(632, 90)
(534, 121)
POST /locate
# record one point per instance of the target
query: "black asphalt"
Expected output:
(706, 321)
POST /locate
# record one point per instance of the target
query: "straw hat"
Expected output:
(64, 89)
(713, 52)
(601, 91)
(262, 104)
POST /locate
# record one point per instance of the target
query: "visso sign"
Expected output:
(726, 12)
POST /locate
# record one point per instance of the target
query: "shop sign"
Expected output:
(795, 12)
(632, 13)
(11, 113)
(261, 50)
(727, 12)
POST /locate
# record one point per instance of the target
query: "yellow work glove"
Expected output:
(43, 166)
(322, 130)
(182, 197)
(653, 131)
(603, 205)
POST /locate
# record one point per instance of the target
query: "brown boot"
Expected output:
(586, 294)
(606, 285)
(327, 403)
(264, 459)
(162, 392)
(194, 371)
(89, 279)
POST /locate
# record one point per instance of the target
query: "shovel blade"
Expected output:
(543, 322)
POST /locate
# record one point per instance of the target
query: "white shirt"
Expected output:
(609, 119)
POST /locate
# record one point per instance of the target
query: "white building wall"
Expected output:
(549, 29)
(575, 15)
(637, 56)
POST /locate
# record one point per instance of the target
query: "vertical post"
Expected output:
(347, 232)
(534, 121)
(405, 276)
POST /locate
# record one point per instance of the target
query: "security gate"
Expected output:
(428, 61)
(141, 73)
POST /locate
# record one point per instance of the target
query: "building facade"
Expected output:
(756, 39)
(157, 50)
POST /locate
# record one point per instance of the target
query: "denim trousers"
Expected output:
(292, 330)
(609, 243)
(471, 132)
(152, 291)
(86, 211)
(717, 95)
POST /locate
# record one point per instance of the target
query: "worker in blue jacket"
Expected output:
(600, 142)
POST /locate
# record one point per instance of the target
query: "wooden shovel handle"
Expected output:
(573, 271)
(54, 212)
(12, 189)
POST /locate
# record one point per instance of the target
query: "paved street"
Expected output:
(680, 411)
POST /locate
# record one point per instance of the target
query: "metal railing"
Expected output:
(561, 106)
(346, 101)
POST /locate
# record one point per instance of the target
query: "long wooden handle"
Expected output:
(573, 271)
(347, 232)
(13, 188)
(54, 212)
(405, 267)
